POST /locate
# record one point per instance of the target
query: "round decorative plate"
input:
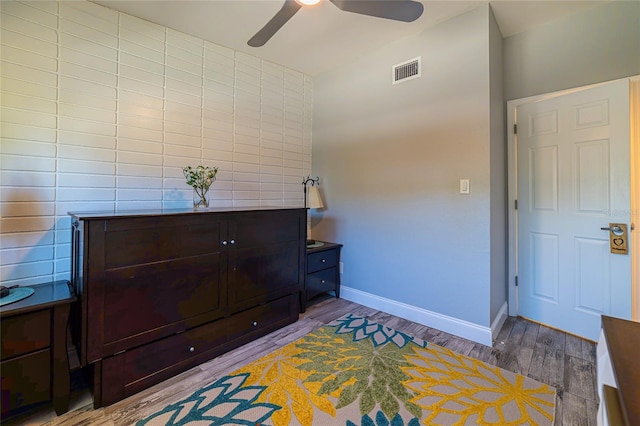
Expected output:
(16, 294)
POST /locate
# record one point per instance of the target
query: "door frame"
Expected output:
(512, 188)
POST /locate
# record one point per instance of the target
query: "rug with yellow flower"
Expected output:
(357, 372)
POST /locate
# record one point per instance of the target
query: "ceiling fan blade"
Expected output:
(397, 10)
(289, 8)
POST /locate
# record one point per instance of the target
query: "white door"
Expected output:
(573, 179)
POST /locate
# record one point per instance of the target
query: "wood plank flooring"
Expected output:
(550, 356)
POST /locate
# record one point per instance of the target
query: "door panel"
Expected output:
(573, 179)
(591, 295)
(544, 267)
(592, 182)
(543, 178)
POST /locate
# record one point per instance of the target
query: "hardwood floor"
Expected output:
(550, 356)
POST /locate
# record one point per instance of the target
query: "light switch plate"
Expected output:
(465, 186)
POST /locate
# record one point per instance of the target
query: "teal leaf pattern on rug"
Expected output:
(379, 334)
(224, 402)
(381, 420)
(363, 372)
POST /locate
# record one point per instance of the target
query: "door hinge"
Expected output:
(516, 281)
(515, 128)
(515, 204)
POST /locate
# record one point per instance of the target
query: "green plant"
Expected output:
(200, 179)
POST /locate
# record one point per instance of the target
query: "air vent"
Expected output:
(406, 71)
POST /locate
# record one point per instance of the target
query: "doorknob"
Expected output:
(616, 229)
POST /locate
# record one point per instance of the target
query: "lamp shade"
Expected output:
(314, 199)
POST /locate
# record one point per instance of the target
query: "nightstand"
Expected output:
(34, 360)
(323, 271)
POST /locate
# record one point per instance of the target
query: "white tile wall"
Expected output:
(101, 110)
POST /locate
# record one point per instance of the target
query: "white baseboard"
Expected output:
(497, 323)
(451, 325)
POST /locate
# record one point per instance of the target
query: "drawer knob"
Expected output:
(323, 261)
(255, 323)
(191, 349)
(322, 281)
(232, 242)
(224, 242)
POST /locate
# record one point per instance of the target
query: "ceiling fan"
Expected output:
(397, 10)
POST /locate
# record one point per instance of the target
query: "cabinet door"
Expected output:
(150, 277)
(266, 259)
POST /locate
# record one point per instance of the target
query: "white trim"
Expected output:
(498, 322)
(634, 99)
(512, 193)
(455, 326)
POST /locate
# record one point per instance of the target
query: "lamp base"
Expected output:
(310, 242)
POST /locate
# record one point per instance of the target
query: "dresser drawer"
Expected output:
(26, 333)
(321, 260)
(136, 369)
(264, 317)
(26, 380)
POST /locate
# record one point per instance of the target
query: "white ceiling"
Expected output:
(318, 37)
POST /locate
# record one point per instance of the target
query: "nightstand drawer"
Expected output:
(321, 281)
(22, 334)
(322, 271)
(26, 380)
(321, 260)
(35, 361)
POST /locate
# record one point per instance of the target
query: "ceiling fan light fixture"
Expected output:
(397, 10)
(307, 2)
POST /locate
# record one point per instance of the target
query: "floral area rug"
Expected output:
(357, 372)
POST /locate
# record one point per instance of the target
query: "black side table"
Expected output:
(323, 271)
(34, 359)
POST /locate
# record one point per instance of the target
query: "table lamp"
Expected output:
(312, 200)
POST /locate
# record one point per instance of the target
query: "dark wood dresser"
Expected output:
(35, 363)
(163, 291)
(323, 271)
